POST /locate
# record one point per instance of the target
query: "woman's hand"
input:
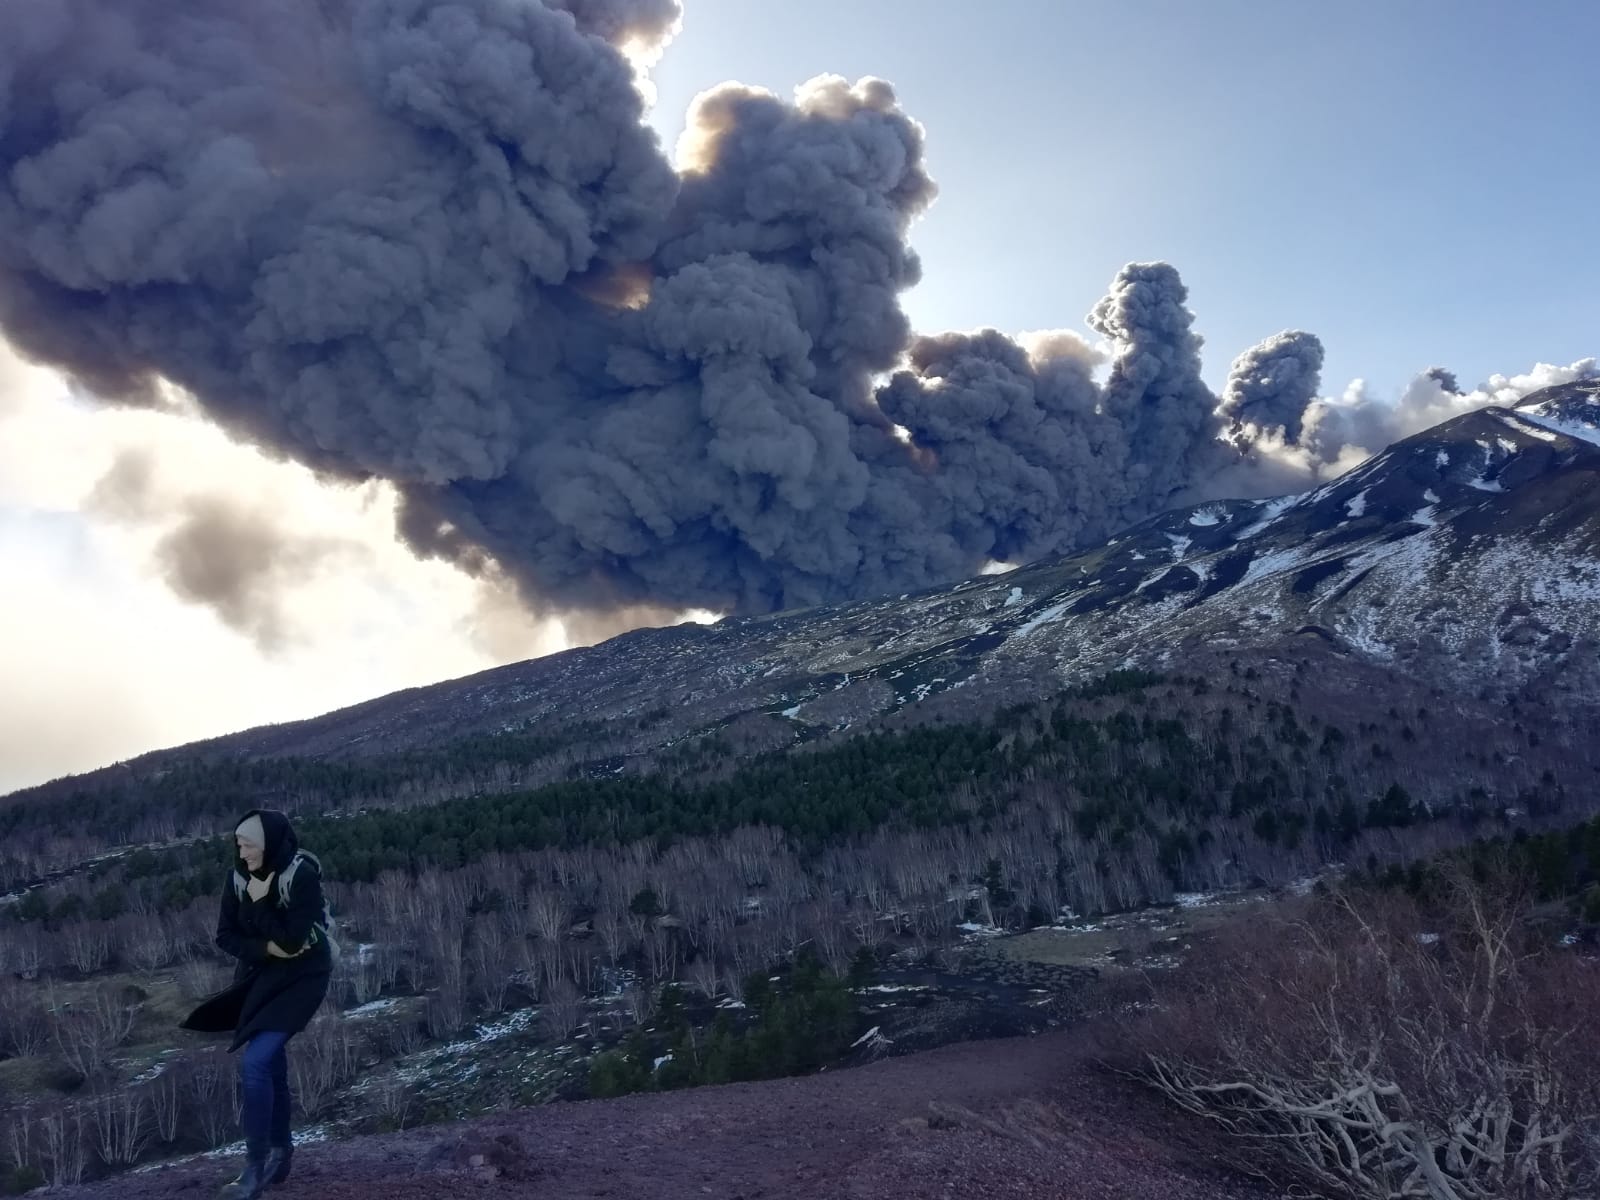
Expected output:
(258, 888)
(277, 951)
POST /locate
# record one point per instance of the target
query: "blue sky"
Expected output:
(1415, 181)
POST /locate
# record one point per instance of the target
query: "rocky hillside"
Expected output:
(1466, 558)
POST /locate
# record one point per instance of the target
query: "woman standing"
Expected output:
(274, 923)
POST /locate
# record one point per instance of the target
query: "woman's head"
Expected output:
(265, 840)
(251, 838)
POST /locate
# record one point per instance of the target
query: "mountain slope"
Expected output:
(1465, 558)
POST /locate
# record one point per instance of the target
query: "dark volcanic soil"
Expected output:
(1023, 1118)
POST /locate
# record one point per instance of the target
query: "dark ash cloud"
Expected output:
(1271, 385)
(436, 244)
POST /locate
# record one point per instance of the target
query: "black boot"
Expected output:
(276, 1169)
(251, 1182)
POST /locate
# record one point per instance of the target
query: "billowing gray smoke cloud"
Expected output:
(1011, 445)
(1357, 424)
(434, 243)
(1362, 420)
(329, 221)
(1155, 390)
(1270, 386)
(1446, 379)
(239, 562)
(237, 559)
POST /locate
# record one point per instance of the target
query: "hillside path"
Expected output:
(858, 1134)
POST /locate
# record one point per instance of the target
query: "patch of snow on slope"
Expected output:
(1367, 468)
(1442, 459)
(1180, 545)
(1271, 510)
(1409, 556)
(1565, 586)
(1053, 613)
(1361, 632)
(1534, 429)
(1152, 580)
(517, 1022)
(371, 1008)
(1483, 483)
(1568, 580)
(1397, 568)
(1357, 504)
(1572, 429)
(1274, 563)
(1014, 597)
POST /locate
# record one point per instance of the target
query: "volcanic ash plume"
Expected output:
(435, 244)
(1270, 387)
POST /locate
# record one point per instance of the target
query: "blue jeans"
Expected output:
(264, 1074)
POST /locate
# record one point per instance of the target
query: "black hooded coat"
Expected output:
(270, 994)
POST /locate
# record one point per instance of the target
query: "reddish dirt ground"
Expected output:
(1019, 1119)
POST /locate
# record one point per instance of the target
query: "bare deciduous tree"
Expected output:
(24, 1029)
(447, 1002)
(207, 1082)
(562, 1011)
(22, 951)
(121, 1126)
(548, 914)
(88, 1029)
(661, 953)
(865, 925)
(62, 1145)
(637, 1003)
(446, 1010)
(579, 965)
(144, 942)
(87, 946)
(392, 894)
(392, 1099)
(398, 1037)
(1388, 1051)
(22, 1132)
(538, 961)
(613, 932)
(490, 954)
(327, 1055)
(194, 929)
(705, 976)
(166, 1104)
